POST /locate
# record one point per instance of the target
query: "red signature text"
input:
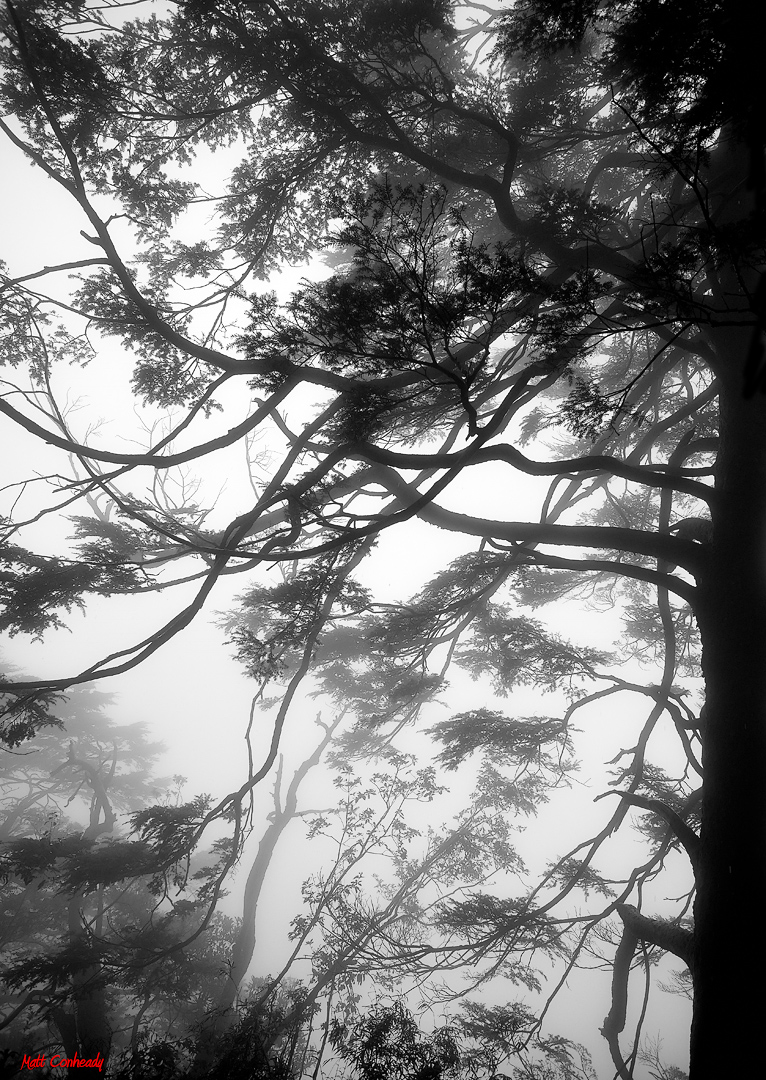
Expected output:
(60, 1061)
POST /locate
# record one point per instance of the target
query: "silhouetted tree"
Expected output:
(552, 220)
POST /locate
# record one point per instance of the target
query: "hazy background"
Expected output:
(195, 698)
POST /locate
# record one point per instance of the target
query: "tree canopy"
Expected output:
(541, 233)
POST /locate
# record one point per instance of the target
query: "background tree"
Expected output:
(386, 1042)
(94, 921)
(556, 199)
(439, 916)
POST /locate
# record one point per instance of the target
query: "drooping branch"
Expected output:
(156, 461)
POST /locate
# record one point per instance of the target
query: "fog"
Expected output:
(195, 698)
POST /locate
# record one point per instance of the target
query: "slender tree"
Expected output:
(547, 217)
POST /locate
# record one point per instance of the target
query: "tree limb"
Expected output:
(682, 831)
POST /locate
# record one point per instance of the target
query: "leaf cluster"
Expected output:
(33, 588)
(518, 741)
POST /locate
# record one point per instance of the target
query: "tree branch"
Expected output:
(683, 832)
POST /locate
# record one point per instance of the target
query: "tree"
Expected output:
(284, 812)
(371, 930)
(386, 1042)
(550, 203)
(95, 965)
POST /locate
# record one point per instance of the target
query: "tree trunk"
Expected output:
(244, 946)
(729, 961)
(93, 1031)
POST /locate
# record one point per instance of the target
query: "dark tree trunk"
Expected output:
(92, 1027)
(730, 944)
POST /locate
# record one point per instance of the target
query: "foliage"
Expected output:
(545, 230)
(91, 934)
(385, 1042)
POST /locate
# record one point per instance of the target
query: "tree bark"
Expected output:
(730, 993)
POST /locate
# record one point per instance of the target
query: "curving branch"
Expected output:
(683, 832)
(157, 461)
(614, 1021)
(659, 476)
(668, 548)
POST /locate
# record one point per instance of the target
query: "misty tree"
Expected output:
(437, 917)
(95, 961)
(385, 1042)
(546, 226)
(363, 930)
